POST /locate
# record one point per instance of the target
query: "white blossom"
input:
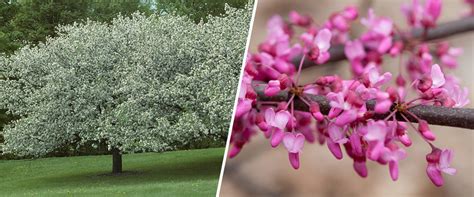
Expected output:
(140, 84)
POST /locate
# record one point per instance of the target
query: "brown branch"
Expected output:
(441, 31)
(436, 115)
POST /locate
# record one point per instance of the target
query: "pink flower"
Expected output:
(272, 88)
(354, 50)
(376, 80)
(439, 161)
(379, 35)
(294, 144)
(425, 16)
(425, 131)
(378, 25)
(298, 19)
(459, 95)
(337, 134)
(277, 122)
(392, 155)
(448, 54)
(336, 100)
(318, 45)
(340, 22)
(376, 132)
(334, 148)
(316, 112)
(383, 103)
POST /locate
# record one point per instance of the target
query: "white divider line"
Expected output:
(236, 97)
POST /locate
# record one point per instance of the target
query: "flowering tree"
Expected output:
(116, 84)
(366, 115)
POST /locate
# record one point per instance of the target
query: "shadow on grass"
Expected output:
(181, 170)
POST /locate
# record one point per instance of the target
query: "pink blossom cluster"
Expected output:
(351, 122)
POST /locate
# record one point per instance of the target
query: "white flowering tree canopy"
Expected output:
(142, 83)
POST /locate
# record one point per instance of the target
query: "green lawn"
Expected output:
(178, 173)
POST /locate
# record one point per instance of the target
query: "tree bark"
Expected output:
(437, 115)
(116, 161)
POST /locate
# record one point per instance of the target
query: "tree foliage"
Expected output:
(140, 83)
(197, 10)
(33, 20)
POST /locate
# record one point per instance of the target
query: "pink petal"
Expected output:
(361, 168)
(323, 40)
(393, 168)
(355, 143)
(283, 66)
(376, 131)
(437, 76)
(449, 61)
(350, 12)
(335, 149)
(293, 142)
(267, 133)
(289, 141)
(270, 116)
(405, 140)
(385, 45)
(243, 107)
(383, 106)
(384, 27)
(277, 137)
(450, 171)
(294, 160)
(375, 150)
(333, 112)
(281, 119)
(433, 7)
(354, 50)
(307, 38)
(323, 57)
(429, 135)
(299, 142)
(337, 134)
(435, 175)
(346, 117)
(234, 150)
(340, 23)
(445, 158)
(308, 134)
(298, 19)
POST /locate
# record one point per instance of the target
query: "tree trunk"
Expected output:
(116, 161)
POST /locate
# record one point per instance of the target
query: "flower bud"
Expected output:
(425, 131)
(350, 13)
(260, 121)
(314, 54)
(400, 81)
(449, 102)
(284, 81)
(396, 48)
(424, 84)
(315, 112)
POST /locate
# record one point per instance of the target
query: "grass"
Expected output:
(178, 173)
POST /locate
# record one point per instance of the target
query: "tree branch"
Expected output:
(436, 115)
(441, 31)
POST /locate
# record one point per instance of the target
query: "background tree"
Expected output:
(197, 10)
(98, 83)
